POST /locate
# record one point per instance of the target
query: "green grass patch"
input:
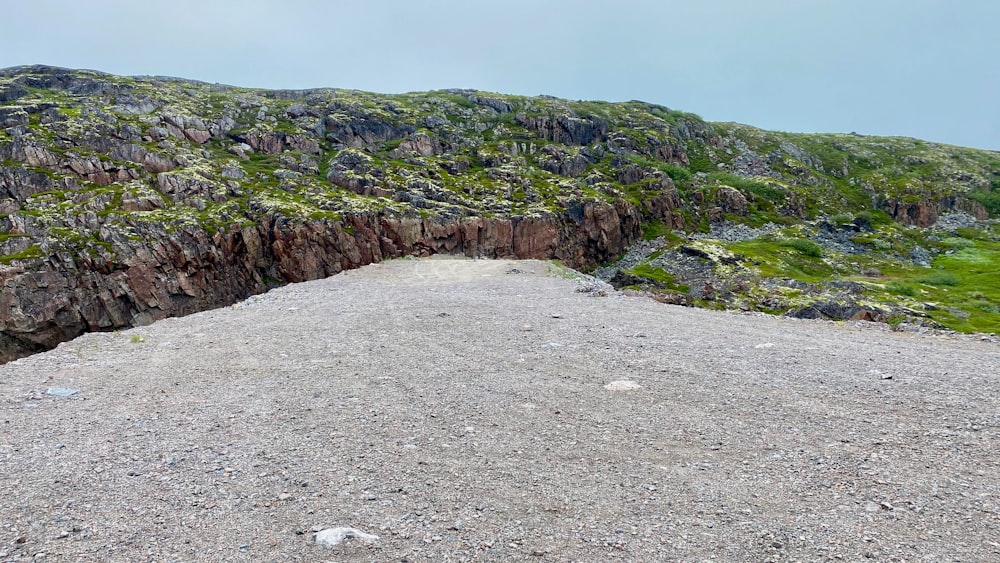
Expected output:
(699, 160)
(677, 173)
(760, 189)
(973, 233)
(901, 288)
(965, 285)
(33, 251)
(939, 278)
(957, 243)
(657, 276)
(805, 246)
(651, 273)
(655, 229)
(777, 258)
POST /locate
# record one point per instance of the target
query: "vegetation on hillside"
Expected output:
(824, 223)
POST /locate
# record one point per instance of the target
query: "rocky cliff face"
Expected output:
(124, 200)
(176, 273)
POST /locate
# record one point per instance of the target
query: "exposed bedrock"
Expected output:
(47, 301)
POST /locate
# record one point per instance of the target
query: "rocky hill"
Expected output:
(124, 200)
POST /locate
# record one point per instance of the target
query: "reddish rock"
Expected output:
(197, 136)
(730, 200)
(535, 237)
(163, 274)
(925, 212)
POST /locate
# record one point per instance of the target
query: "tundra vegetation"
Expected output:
(99, 173)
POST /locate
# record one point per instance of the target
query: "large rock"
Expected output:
(924, 212)
(566, 129)
(363, 130)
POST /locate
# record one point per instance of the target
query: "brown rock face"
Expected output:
(730, 200)
(177, 273)
(924, 213)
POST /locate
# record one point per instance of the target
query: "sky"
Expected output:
(917, 68)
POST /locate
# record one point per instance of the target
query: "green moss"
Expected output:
(651, 273)
(699, 160)
(777, 258)
(33, 251)
(655, 229)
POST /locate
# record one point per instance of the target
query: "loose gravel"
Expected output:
(470, 410)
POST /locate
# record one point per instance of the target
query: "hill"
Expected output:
(125, 200)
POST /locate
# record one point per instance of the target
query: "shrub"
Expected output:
(939, 278)
(747, 185)
(654, 229)
(677, 173)
(957, 242)
(805, 246)
(901, 288)
(989, 200)
(877, 217)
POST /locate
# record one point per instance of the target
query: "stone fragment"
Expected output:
(331, 537)
(61, 391)
(622, 385)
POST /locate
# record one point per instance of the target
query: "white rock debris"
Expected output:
(335, 536)
(622, 385)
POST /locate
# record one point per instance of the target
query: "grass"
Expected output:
(939, 279)
(964, 285)
(760, 189)
(557, 269)
(655, 229)
(805, 246)
(657, 276)
(33, 251)
(989, 199)
(651, 273)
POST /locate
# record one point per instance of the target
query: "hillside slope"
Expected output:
(129, 199)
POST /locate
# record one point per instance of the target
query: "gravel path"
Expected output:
(460, 410)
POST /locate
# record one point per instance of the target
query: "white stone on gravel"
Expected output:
(622, 385)
(331, 537)
(61, 391)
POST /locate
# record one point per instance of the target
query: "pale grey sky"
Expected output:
(920, 68)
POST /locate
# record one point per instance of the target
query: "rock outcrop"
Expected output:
(925, 212)
(126, 200)
(54, 299)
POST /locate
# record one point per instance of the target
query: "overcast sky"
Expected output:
(919, 68)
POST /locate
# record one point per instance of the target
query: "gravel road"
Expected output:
(489, 411)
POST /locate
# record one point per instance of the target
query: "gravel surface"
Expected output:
(487, 410)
